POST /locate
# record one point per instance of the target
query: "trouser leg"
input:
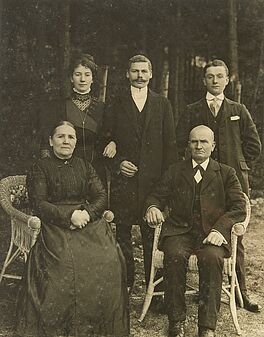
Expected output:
(210, 263)
(177, 250)
(123, 236)
(147, 235)
(240, 265)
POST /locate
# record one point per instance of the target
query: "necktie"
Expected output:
(214, 106)
(198, 176)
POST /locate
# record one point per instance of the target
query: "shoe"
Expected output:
(176, 329)
(250, 305)
(157, 305)
(205, 332)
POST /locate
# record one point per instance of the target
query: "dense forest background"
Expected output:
(38, 36)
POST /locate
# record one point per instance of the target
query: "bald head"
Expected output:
(202, 129)
(201, 143)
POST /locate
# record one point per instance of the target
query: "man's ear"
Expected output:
(213, 146)
(150, 75)
(204, 82)
(127, 74)
(227, 80)
(50, 141)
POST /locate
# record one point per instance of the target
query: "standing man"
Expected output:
(142, 125)
(236, 136)
(206, 200)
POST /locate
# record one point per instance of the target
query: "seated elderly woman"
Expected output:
(74, 283)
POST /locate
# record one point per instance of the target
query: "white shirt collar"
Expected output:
(210, 97)
(82, 93)
(203, 164)
(136, 92)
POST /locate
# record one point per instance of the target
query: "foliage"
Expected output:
(32, 38)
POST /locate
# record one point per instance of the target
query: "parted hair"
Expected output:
(139, 58)
(216, 63)
(60, 123)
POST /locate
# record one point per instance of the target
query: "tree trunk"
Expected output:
(258, 92)
(103, 83)
(233, 50)
(164, 80)
(64, 46)
(1, 48)
(176, 67)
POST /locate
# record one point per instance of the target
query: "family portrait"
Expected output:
(132, 173)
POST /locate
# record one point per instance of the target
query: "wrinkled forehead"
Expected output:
(65, 130)
(201, 134)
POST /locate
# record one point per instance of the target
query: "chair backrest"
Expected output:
(14, 200)
(13, 191)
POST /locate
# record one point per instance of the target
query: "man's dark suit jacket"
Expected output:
(152, 152)
(222, 200)
(239, 142)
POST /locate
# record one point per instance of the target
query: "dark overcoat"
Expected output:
(239, 142)
(221, 198)
(152, 150)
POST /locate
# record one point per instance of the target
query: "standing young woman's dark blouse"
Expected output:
(86, 113)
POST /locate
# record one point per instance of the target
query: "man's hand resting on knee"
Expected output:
(214, 238)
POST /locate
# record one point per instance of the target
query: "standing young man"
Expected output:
(142, 125)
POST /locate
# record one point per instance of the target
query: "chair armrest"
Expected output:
(239, 229)
(108, 215)
(15, 213)
(34, 223)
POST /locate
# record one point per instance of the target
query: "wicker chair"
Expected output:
(25, 227)
(231, 289)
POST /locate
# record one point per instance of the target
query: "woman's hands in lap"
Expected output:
(79, 219)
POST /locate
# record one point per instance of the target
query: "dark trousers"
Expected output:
(123, 235)
(177, 250)
(240, 265)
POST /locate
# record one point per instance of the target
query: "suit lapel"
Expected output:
(188, 173)
(151, 105)
(127, 103)
(210, 173)
(200, 116)
(225, 110)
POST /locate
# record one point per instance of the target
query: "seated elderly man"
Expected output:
(206, 199)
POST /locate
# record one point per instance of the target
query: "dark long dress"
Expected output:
(74, 282)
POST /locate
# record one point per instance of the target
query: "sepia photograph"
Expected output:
(132, 168)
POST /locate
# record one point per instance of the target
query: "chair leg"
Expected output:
(149, 292)
(232, 299)
(147, 301)
(7, 260)
(233, 310)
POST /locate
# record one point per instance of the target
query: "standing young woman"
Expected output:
(85, 112)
